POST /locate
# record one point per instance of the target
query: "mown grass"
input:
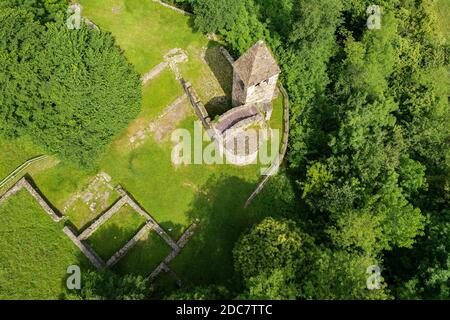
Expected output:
(80, 215)
(148, 253)
(442, 8)
(174, 195)
(34, 253)
(144, 29)
(62, 181)
(116, 232)
(159, 93)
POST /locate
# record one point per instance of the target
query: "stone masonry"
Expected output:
(24, 184)
(85, 249)
(255, 76)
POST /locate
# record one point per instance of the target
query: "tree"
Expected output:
(43, 10)
(276, 285)
(339, 275)
(106, 285)
(71, 90)
(305, 56)
(212, 15)
(89, 92)
(200, 293)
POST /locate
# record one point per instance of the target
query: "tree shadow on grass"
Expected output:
(174, 230)
(84, 264)
(108, 239)
(208, 257)
(217, 106)
(220, 66)
(223, 71)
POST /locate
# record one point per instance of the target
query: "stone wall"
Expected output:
(25, 184)
(87, 251)
(164, 265)
(263, 92)
(154, 72)
(90, 254)
(283, 150)
(199, 109)
(173, 8)
(93, 227)
(151, 224)
(20, 169)
(227, 55)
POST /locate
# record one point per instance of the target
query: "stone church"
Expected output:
(255, 76)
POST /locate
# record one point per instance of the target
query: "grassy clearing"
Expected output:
(61, 182)
(14, 152)
(442, 8)
(34, 252)
(145, 256)
(211, 75)
(116, 232)
(276, 122)
(174, 195)
(159, 93)
(207, 257)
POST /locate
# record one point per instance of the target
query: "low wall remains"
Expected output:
(25, 184)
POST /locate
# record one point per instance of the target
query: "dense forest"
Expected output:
(367, 177)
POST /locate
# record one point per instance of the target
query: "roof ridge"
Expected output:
(257, 62)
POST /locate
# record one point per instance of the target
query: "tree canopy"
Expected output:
(70, 90)
(369, 149)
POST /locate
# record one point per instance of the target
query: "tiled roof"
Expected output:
(256, 65)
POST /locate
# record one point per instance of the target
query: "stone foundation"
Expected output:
(24, 184)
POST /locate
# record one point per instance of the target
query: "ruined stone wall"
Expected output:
(262, 93)
(239, 93)
(227, 55)
(174, 8)
(154, 72)
(283, 149)
(199, 109)
(24, 184)
(130, 244)
(85, 249)
(102, 219)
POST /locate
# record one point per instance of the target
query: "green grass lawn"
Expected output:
(144, 29)
(145, 256)
(80, 215)
(174, 195)
(34, 252)
(160, 92)
(116, 232)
